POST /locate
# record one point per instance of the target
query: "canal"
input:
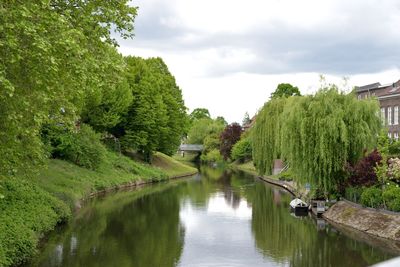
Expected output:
(216, 218)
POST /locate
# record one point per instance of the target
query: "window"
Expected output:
(383, 116)
(389, 135)
(396, 115)
(373, 94)
(389, 116)
(396, 136)
(359, 97)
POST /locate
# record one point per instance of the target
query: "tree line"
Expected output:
(60, 72)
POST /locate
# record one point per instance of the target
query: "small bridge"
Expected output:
(190, 148)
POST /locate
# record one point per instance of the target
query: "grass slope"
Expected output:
(246, 167)
(31, 207)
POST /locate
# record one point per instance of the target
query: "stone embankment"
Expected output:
(384, 224)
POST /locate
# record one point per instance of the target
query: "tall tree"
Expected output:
(156, 118)
(48, 63)
(285, 90)
(199, 113)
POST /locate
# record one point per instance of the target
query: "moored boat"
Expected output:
(299, 206)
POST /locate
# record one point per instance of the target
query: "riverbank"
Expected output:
(248, 167)
(379, 223)
(33, 206)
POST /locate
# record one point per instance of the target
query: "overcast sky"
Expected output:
(229, 55)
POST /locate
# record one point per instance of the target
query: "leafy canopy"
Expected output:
(285, 90)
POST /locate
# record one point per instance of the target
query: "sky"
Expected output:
(229, 55)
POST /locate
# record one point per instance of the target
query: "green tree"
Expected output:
(203, 128)
(321, 133)
(199, 113)
(246, 119)
(317, 135)
(156, 118)
(49, 60)
(285, 90)
(266, 135)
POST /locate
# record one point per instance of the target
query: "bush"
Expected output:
(363, 173)
(242, 150)
(393, 171)
(20, 225)
(372, 197)
(286, 175)
(212, 156)
(394, 149)
(391, 196)
(353, 194)
(82, 148)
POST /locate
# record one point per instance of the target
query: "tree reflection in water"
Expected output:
(297, 242)
(224, 218)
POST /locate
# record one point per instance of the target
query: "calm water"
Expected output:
(218, 218)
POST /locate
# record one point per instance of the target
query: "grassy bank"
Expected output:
(246, 167)
(33, 206)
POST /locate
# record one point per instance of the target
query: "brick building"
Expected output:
(389, 100)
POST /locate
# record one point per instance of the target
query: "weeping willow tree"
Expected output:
(266, 135)
(320, 133)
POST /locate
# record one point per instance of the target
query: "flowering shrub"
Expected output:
(394, 170)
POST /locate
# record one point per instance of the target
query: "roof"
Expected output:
(368, 87)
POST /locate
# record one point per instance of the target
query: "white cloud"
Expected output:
(229, 55)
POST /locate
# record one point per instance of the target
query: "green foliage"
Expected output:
(353, 193)
(52, 55)
(199, 113)
(394, 149)
(317, 135)
(27, 212)
(391, 196)
(372, 197)
(321, 133)
(286, 175)
(266, 135)
(105, 107)
(203, 128)
(383, 147)
(82, 147)
(156, 118)
(212, 157)
(242, 150)
(285, 90)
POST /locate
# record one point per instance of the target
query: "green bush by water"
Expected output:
(391, 196)
(372, 197)
(27, 211)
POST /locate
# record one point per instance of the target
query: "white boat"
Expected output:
(299, 205)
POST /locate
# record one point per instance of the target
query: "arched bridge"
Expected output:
(190, 148)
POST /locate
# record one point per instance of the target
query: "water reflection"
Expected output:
(303, 243)
(218, 219)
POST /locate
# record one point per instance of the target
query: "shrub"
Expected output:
(394, 149)
(212, 156)
(353, 194)
(286, 175)
(391, 196)
(82, 148)
(363, 173)
(393, 171)
(20, 225)
(372, 197)
(242, 150)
